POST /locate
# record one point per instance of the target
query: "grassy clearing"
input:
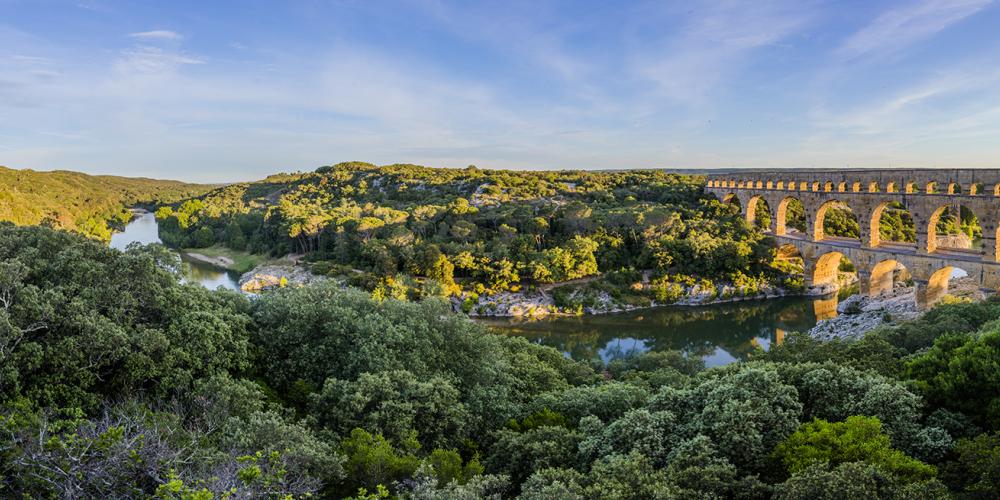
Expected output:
(240, 262)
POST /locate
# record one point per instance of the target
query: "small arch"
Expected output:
(781, 185)
(954, 188)
(803, 186)
(770, 184)
(815, 186)
(791, 185)
(856, 187)
(740, 184)
(931, 188)
(828, 186)
(890, 187)
(996, 189)
(759, 184)
(886, 275)
(842, 187)
(873, 187)
(911, 187)
(975, 188)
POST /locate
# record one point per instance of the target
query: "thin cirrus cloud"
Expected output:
(901, 27)
(162, 35)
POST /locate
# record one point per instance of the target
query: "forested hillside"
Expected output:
(116, 380)
(410, 231)
(80, 202)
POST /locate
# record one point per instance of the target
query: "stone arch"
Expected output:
(826, 270)
(781, 214)
(873, 187)
(936, 287)
(975, 188)
(963, 213)
(890, 187)
(931, 187)
(770, 184)
(828, 186)
(819, 229)
(954, 188)
(906, 224)
(759, 184)
(757, 205)
(996, 189)
(791, 185)
(842, 187)
(911, 187)
(781, 185)
(856, 187)
(885, 275)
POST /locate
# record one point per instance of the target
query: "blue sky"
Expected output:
(234, 90)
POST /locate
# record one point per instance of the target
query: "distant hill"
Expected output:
(81, 202)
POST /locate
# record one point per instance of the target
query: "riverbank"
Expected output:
(858, 314)
(224, 258)
(538, 304)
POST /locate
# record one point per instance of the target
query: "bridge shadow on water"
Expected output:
(718, 334)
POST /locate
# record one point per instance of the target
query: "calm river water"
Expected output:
(143, 229)
(718, 334)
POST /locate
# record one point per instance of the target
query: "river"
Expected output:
(143, 229)
(718, 334)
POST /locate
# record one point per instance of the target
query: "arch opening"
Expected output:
(836, 220)
(954, 228)
(790, 217)
(976, 188)
(759, 214)
(931, 188)
(949, 283)
(832, 272)
(887, 276)
(890, 187)
(954, 188)
(892, 223)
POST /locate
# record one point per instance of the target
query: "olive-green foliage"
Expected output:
(80, 322)
(475, 228)
(857, 439)
(855, 480)
(394, 403)
(962, 372)
(975, 466)
(79, 202)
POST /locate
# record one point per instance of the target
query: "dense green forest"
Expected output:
(91, 205)
(117, 380)
(410, 231)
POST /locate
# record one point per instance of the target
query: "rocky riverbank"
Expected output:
(540, 304)
(859, 314)
(272, 276)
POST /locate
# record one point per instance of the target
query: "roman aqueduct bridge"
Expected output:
(924, 193)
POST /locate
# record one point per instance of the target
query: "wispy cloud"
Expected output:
(714, 41)
(149, 60)
(165, 35)
(901, 27)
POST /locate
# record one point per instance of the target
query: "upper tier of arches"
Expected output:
(961, 182)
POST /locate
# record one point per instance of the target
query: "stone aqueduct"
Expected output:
(924, 193)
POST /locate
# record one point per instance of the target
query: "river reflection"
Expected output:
(719, 334)
(143, 229)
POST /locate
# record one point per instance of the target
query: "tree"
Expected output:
(857, 439)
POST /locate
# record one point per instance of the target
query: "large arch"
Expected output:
(789, 206)
(758, 213)
(937, 286)
(844, 216)
(891, 222)
(953, 227)
(885, 275)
